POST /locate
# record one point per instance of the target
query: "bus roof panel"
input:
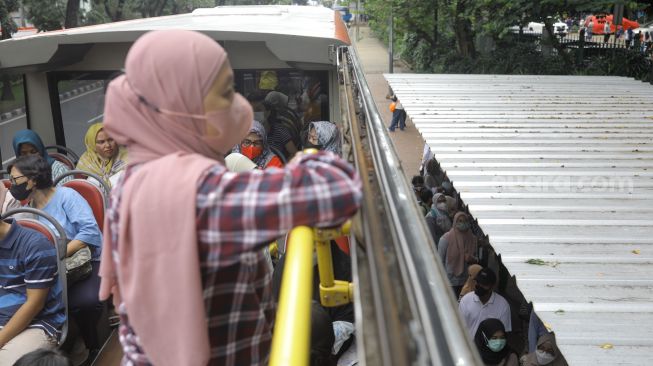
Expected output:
(289, 32)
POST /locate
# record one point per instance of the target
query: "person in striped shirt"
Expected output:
(31, 307)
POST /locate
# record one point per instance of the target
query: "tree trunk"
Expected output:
(548, 27)
(463, 32)
(435, 23)
(464, 38)
(162, 7)
(72, 14)
(119, 8)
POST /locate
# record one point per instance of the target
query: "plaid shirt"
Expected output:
(237, 215)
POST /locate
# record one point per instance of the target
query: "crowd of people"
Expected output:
(184, 260)
(488, 311)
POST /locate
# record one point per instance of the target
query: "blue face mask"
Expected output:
(462, 226)
(496, 345)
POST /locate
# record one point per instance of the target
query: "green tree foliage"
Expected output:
(46, 15)
(7, 25)
(440, 34)
(56, 14)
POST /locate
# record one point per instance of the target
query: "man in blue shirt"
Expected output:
(31, 307)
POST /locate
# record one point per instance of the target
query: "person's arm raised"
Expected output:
(253, 208)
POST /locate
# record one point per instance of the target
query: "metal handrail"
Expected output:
(61, 244)
(446, 340)
(292, 331)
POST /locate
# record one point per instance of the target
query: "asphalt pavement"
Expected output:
(373, 55)
(78, 111)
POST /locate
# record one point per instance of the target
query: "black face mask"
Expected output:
(480, 291)
(20, 191)
(308, 145)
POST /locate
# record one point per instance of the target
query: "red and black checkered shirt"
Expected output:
(237, 215)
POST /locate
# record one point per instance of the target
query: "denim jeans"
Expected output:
(398, 117)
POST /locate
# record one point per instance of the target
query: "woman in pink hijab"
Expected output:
(183, 235)
(457, 249)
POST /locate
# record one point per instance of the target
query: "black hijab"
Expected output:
(489, 327)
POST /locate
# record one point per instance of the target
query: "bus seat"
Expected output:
(7, 183)
(64, 151)
(37, 226)
(93, 195)
(63, 159)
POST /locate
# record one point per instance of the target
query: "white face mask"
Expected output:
(543, 358)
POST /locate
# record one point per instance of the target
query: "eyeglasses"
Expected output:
(248, 143)
(12, 180)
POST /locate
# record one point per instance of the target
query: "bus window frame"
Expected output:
(326, 77)
(54, 77)
(27, 119)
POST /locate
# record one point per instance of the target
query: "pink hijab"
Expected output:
(168, 74)
(461, 244)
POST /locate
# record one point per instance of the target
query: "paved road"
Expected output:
(7, 130)
(78, 112)
(374, 57)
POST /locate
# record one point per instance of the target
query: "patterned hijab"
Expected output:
(262, 160)
(92, 162)
(328, 135)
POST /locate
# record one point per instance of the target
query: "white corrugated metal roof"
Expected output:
(557, 168)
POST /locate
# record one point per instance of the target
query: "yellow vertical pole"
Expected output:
(292, 330)
(324, 263)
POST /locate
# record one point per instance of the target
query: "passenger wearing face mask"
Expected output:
(546, 353)
(437, 219)
(183, 256)
(28, 142)
(484, 303)
(457, 250)
(31, 181)
(490, 340)
(255, 147)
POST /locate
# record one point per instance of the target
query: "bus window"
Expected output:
(13, 114)
(81, 100)
(307, 91)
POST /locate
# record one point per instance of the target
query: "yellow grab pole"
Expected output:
(332, 292)
(324, 263)
(292, 329)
